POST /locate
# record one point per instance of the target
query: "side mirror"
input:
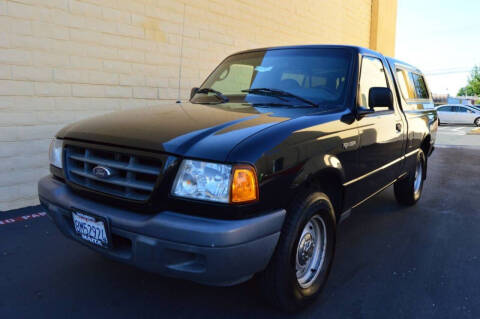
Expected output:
(380, 97)
(193, 92)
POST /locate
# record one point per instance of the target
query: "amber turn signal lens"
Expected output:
(244, 184)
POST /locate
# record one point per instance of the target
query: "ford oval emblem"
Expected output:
(101, 172)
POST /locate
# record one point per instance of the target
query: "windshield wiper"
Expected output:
(279, 93)
(217, 93)
(278, 104)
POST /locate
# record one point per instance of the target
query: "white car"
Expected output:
(458, 114)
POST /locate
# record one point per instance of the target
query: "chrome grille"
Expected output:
(132, 177)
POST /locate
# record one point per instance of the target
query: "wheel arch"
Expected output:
(329, 180)
(475, 120)
(426, 144)
(426, 147)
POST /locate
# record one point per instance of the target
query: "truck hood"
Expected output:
(191, 130)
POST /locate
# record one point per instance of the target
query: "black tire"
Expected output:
(407, 192)
(279, 280)
(477, 121)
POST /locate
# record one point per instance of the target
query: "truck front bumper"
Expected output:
(205, 250)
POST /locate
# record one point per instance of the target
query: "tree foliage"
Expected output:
(473, 86)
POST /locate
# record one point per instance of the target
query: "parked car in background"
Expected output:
(458, 114)
(250, 176)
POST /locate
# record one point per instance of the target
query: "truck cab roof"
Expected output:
(357, 49)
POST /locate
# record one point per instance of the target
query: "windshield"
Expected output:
(317, 75)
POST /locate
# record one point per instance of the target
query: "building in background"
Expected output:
(440, 99)
(466, 100)
(64, 60)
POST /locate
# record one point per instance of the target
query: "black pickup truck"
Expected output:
(253, 174)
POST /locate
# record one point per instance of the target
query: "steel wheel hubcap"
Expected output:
(310, 253)
(418, 178)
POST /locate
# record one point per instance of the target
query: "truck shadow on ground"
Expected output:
(116, 283)
(391, 262)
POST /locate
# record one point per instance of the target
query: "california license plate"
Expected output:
(91, 229)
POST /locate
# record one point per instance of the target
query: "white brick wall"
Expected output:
(62, 60)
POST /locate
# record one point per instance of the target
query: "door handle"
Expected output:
(398, 127)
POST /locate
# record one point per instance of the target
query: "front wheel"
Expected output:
(409, 189)
(301, 263)
(477, 121)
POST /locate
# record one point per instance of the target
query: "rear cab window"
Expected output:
(420, 86)
(406, 86)
(413, 88)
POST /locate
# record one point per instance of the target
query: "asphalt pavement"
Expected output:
(391, 262)
(457, 135)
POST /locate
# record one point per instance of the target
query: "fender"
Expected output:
(318, 164)
(325, 171)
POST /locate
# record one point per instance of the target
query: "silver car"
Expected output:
(458, 114)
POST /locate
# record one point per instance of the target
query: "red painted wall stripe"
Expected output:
(22, 218)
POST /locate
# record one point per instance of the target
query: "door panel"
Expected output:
(446, 114)
(382, 135)
(465, 116)
(381, 150)
(454, 117)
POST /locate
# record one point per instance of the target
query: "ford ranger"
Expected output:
(253, 174)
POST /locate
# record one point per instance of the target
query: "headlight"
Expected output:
(55, 153)
(216, 182)
(203, 180)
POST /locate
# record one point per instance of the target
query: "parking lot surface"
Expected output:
(391, 262)
(458, 135)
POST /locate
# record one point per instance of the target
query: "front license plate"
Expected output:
(90, 229)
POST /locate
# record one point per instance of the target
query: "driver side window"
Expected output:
(372, 74)
(445, 109)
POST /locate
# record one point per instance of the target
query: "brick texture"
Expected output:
(63, 60)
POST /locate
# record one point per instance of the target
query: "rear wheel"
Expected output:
(477, 121)
(301, 263)
(409, 189)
